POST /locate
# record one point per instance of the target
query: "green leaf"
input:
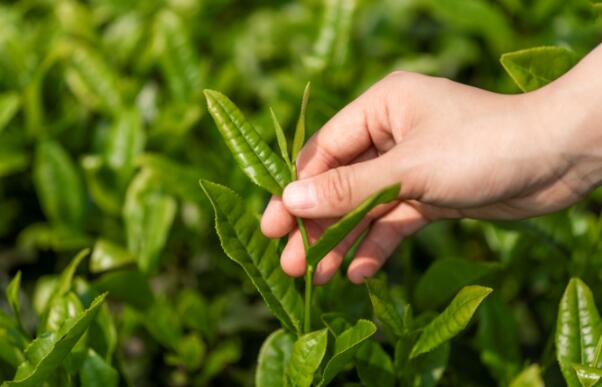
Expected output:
(263, 166)
(242, 240)
(63, 283)
(374, 365)
(47, 352)
(221, 356)
(535, 67)
(299, 138)
(384, 307)
(338, 231)
(124, 141)
(445, 277)
(588, 376)
(578, 329)
(96, 372)
(12, 294)
(128, 286)
(9, 105)
(190, 351)
(108, 256)
(452, 320)
(148, 214)
(274, 355)
(529, 377)
(10, 351)
(308, 352)
(59, 186)
(345, 347)
(61, 310)
(281, 138)
(93, 82)
(12, 162)
(428, 368)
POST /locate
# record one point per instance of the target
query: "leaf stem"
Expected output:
(309, 272)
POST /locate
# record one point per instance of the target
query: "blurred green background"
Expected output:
(104, 134)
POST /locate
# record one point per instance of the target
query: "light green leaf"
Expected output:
(124, 141)
(242, 240)
(529, 377)
(12, 162)
(345, 347)
(588, 376)
(63, 283)
(333, 40)
(452, 320)
(9, 105)
(108, 256)
(300, 130)
(12, 294)
(10, 351)
(308, 352)
(273, 358)
(536, 67)
(263, 166)
(47, 352)
(96, 372)
(281, 138)
(374, 365)
(58, 185)
(61, 310)
(578, 329)
(384, 307)
(445, 277)
(338, 231)
(148, 214)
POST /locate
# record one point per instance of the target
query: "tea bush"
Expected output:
(113, 270)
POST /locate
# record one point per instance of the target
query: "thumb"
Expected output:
(339, 190)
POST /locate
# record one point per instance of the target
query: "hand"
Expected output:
(458, 151)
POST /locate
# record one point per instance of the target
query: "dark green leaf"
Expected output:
(427, 369)
(308, 352)
(536, 67)
(128, 286)
(445, 277)
(263, 166)
(96, 372)
(452, 320)
(299, 138)
(273, 358)
(224, 354)
(384, 307)
(345, 347)
(578, 329)
(190, 351)
(244, 243)
(374, 365)
(338, 231)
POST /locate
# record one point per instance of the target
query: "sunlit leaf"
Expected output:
(273, 358)
(308, 352)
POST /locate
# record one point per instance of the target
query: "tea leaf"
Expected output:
(109, 256)
(588, 376)
(578, 329)
(124, 141)
(308, 352)
(338, 231)
(529, 377)
(96, 372)
(243, 242)
(9, 105)
(299, 138)
(445, 277)
(263, 166)
(274, 355)
(452, 320)
(281, 138)
(46, 353)
(374, 365)
(345, 346)
(12, 295)
(428, 368)
(535, 67)
(384, 307)
(58, 185)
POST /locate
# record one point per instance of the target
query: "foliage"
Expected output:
(105, 133)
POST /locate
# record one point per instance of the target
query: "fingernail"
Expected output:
(299, 196)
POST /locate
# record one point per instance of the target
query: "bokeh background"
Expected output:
(104, 134)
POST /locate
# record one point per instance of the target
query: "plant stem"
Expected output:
(309, 272)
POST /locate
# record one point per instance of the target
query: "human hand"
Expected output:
(458, 151)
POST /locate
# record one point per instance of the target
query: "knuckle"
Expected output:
(337, 190)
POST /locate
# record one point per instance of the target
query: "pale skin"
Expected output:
(458, 152)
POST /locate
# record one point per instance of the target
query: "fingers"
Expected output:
(348, 134)
(384, 236)
(340, 190)
(276, 221)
